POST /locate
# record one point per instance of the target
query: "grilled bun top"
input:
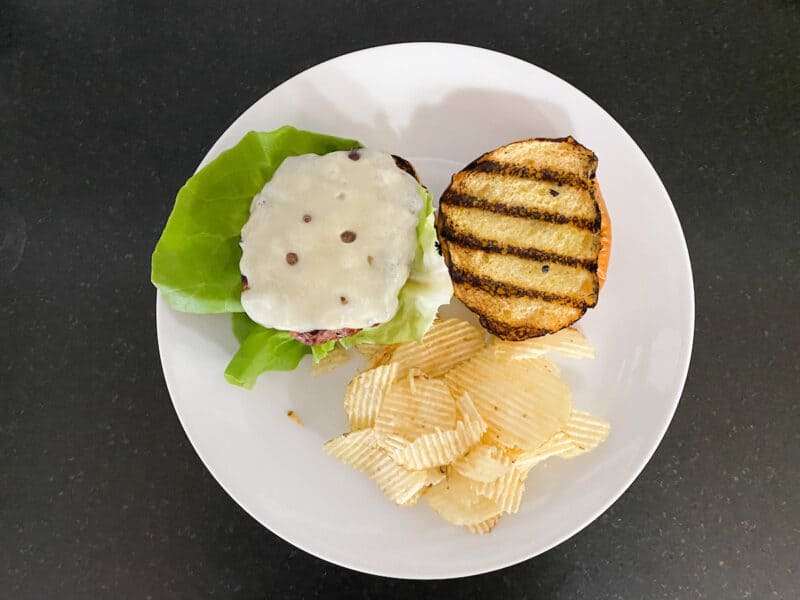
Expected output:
(520, 229)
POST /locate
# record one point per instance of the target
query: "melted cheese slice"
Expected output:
(330, 242)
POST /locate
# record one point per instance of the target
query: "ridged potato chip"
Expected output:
(414, 499)
(440, 447)
(368, 350)
(433, 476)
(457, 502)
(483, 463)
(360, 449)
(436, 474)
(540, 362)
(483, 527)
(506, 491)
(522, 407)
(336, 358)
(416, 405)
(558, 445)
(467, 411)
(380, 356)
(571, 452)
(567, 342)
(365, 393)
(391, 442)
(461, 423)
(537, 361)
(545, 364)
(585, 430)
(447, 343)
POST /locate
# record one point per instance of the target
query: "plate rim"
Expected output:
(490, 566)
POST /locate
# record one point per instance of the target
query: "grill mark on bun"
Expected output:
(500, 288)
(524, 172)
(468, 201)
(449, 233)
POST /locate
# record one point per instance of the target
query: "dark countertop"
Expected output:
(106, 108)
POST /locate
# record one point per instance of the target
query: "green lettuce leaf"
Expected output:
(264, 350)
(320, 351)
(196, 261)
(243, 326)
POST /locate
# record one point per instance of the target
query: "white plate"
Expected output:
(440, 106)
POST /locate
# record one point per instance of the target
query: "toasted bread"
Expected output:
(520, 232)
(605, 236)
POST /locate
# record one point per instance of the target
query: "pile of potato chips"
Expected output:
(461, 422)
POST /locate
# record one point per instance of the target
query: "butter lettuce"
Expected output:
(243, 326)
(320, 351)
(261, 349)
(264, 350)
(196, 261)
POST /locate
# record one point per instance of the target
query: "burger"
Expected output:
(329, 244)
(310, 241)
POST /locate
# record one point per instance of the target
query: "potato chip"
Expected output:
(416, 405)
(391, 442)
(490, 437)
(365, 393)
(360, 450)
(545, 364)
(447, 343)
(571, 452)
(567, 342)
(558, 445)
(440, 447)
(514, 351)
(414, 499)
(483, 463)
(585, 430)
(467, 411)
(506, 491)
(456, 501)
(338, 357)
(368, 350)
(484, 527)
(522, 407)
(540, 362)
(436, 475)
(462, 423)
(500, 351)
(432, 477)
(377, 355)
